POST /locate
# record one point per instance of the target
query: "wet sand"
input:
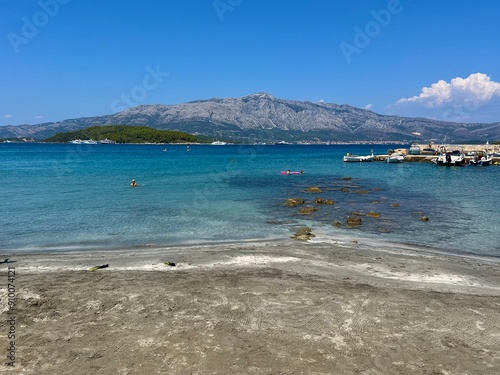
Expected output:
(254, 308)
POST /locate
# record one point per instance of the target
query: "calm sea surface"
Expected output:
(63, 197)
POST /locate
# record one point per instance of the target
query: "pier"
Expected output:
(427, 158)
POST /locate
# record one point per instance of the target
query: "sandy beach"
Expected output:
(253, 308)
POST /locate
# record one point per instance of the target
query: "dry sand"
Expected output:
(256, 308)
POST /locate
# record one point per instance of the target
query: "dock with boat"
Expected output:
(429, 153)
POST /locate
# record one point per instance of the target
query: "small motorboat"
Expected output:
(483, 162)
(395, 158)
(414, 149)
(454, 158)
(107, 142)
(428, 151)
(357, 158)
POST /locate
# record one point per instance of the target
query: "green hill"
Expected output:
(125, 134)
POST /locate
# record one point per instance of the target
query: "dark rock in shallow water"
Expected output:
(373, 214)
(313, 189)
(303, 234)
(307, 210)
(353, 221)
(293, 202)
(323, 201)
(424, 218)
(362, 191)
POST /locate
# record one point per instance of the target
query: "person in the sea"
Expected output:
(301, 171)
(288, 171)
(133, 183)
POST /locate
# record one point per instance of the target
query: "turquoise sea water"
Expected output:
(63, 197)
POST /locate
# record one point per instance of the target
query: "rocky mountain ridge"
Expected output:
(261, 117)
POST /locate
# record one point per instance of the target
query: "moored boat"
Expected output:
(358, 158)
(455, 158)
(107, 142)
(414, 149)
(395, 158)
(484, 161)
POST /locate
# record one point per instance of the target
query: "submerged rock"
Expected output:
(293, 202)
(385, 230)
(307, 210)
(424, 218)
(303, 234)
(373, 214)
(353, 221)
(313, 189)
(338, 224)
(395, 205)
(361, 191)
(323, 201)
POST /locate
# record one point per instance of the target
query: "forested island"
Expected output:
(125, 134)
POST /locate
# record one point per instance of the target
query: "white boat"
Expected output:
(76, 141)
(395, 158)
(414, 149)
(219, 143)
(89, 142)
(107, 142)
(454, 158)
(484, 161)
(357, 158)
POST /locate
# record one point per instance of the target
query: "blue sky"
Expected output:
(65, 59)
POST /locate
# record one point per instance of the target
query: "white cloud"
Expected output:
(8, 116)
(369, 106)
(457, 100)
(477, 88)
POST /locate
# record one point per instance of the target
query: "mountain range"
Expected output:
(261, 117)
